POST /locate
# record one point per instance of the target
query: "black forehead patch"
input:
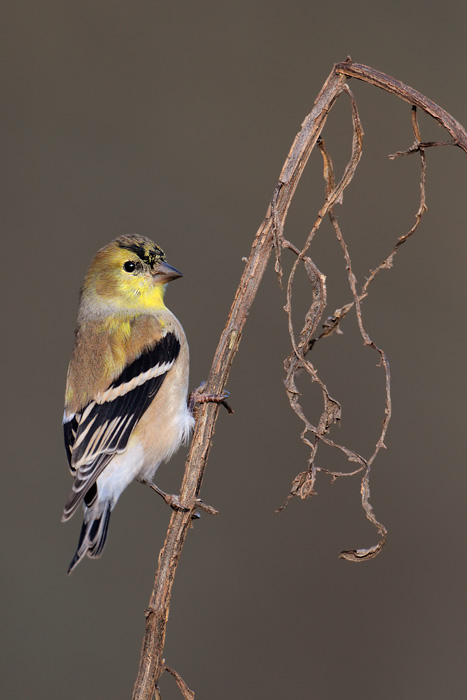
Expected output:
(148, 252)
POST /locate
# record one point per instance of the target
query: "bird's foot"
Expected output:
(200, 396)
(173, 500)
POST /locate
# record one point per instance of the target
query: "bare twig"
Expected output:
(385, 82)
(184, 689)
(303, 484)
(332, 323)
(357, 555)
(419, 146)
(151, 664)
(269, 235)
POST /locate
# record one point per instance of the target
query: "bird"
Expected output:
(126, 408)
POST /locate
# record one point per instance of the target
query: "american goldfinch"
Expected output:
(126, 394)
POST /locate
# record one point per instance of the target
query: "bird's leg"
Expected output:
(173, 500)
(199, 396)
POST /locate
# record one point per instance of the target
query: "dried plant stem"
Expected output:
(385, 82)
(269, 235)
(332, 323)
(151, 664)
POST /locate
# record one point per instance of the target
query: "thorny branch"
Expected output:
(271, 235)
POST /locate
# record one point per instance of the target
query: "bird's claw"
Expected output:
(200, 396)
(173, 501)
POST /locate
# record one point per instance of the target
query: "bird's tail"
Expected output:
(93, 534)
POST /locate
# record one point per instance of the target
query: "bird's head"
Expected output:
(130, 273)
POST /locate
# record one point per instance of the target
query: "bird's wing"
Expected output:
(103, 427)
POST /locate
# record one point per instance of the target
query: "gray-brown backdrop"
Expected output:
(173, 120)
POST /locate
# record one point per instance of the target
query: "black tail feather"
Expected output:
(92, 537)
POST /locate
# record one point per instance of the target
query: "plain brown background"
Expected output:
(173, 120)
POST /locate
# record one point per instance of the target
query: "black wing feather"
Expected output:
(69, 433)
(125, 410)
(166, 350)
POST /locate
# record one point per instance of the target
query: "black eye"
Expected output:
(129, 266)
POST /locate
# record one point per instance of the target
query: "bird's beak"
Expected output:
(164, 272)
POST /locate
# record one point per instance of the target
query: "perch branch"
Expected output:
(151, 663)
(268, 236)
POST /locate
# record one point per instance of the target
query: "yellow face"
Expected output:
(130, 273)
